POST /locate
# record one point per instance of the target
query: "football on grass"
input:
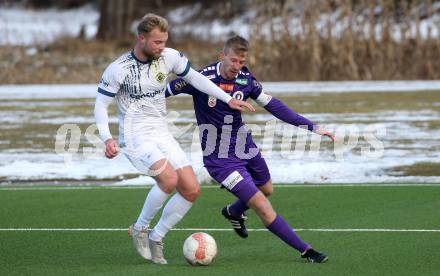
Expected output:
(200, 249)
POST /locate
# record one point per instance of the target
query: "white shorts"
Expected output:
(148, 151)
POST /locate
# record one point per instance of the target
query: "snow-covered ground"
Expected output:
(30, 91)
(30, 111)
(20, 26)
(244, 25)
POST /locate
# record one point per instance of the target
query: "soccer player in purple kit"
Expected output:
(229, 153)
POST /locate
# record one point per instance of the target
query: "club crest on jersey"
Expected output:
(238, 95)
(212, 101)
(160, 77)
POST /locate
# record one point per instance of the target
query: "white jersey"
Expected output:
(139, 88)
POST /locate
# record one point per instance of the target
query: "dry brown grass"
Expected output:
(283, 56)
(79, 61)
(354, 54)
(66, 61)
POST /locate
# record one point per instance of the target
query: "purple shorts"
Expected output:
(241, 178)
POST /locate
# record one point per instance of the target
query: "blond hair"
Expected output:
(151, 21)
(237, 43)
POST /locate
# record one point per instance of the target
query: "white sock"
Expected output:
(154, 201)
(173, 212)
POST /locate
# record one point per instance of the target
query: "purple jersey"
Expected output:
(226, 122)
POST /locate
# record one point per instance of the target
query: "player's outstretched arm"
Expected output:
(101, 118)
(281, 111)
(203, 84)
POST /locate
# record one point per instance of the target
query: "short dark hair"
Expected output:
(151, 21)
(237, 43)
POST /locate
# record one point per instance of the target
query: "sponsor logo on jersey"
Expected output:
(212, 101)
(257, 84)
(148, 94)
(104, 82)
(211, 76)
(242, 81)
(238, 95)
(160, 77)
(227, 87)
(180, 84)
(232, 180)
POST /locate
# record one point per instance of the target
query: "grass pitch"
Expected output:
(333, 209)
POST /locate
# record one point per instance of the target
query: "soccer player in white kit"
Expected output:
(137, 80)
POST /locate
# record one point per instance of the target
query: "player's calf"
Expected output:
(262, 207)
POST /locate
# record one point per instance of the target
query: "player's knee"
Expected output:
(191, 194)
(197, 191)
(267, 188)
(168, 182)
(267, 192)
(172, 180)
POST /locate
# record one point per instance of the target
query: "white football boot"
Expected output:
(140, 241)
(157, 252)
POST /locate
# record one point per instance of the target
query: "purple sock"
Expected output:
(280, 228)
(237, 208)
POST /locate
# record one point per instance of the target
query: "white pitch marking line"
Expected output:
(217, 230)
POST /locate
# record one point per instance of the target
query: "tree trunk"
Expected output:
(116, 19)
